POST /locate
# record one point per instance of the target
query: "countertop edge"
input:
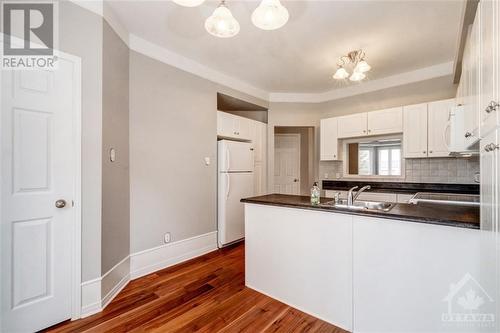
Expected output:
(382, 215)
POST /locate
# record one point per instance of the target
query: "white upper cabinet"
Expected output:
(415, 130)
(329, 140)
(259, 135)
(231, 126)
(438, 127)
(353, 125)
(386, 121)
(488, 102)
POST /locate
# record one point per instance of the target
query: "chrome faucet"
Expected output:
(351, 198)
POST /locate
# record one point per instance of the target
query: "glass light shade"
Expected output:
(270, 15)
(341, 74)
(357, 76)
(362, 67)
(222, 23)
(189, 3)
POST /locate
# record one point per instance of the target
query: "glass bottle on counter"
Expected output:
(315, 194)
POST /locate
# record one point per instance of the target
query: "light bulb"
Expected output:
(270, 15)
(362, 67)
(357, 76)
(189, 3)
(222, 23)
(341, 74)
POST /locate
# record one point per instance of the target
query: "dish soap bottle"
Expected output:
(315, 193)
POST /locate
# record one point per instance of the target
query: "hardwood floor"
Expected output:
(206, 294)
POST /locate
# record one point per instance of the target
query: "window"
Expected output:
(378, 157)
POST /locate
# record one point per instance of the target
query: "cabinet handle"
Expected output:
(364, 131)
(492, 107)
(468, 134)
(424, 152)
(491, 147)
(430, 151)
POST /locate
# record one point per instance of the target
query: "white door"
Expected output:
(415, 130)
(489, 181)
(287, 163)
(38, 126)
(353, 125)
(488, 66)
(231, 219)
(438, 121)
(329, 143)
(386, 121)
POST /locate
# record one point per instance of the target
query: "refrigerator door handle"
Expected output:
(228, 185)
(227, 159)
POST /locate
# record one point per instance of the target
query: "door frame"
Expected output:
(76, 251)
(296, 135)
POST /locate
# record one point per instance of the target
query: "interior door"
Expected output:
(287, 163)
(38, 172)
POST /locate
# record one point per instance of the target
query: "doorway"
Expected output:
(293, 159)
(40, 203)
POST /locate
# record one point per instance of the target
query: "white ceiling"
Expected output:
(398, 37)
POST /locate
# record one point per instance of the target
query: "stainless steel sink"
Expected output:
(362, 205)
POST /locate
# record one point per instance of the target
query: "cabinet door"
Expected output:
(489, 179)
(488, 66)
(472, 105)
(328, 139)
(259, 132)
(257, 179)
(438, 125)
(386, 121)
(244, 131)
(352, 125)
(415, 130)
(226, 124)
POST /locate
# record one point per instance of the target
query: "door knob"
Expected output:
(60, 203)
(295, 180)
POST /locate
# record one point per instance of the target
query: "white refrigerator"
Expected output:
(235, 181)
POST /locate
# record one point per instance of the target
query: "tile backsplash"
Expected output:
(421, 170)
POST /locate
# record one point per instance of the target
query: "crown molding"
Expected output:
(171, 58)
(418, 75)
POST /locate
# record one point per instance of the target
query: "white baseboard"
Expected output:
(98, 293)
(91, 297)
(154, 259)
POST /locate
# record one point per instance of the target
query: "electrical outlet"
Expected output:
(167, 238)
(325, 176)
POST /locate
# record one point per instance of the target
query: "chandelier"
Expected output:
(269, 15)
(355, 59)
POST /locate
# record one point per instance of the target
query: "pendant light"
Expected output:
(189, 3)
(270, 15)
(222, 23)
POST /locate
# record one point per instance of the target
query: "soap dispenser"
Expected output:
(315, 194)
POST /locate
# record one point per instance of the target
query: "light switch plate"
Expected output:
(207, 160)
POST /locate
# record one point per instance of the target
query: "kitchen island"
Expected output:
(367, 271)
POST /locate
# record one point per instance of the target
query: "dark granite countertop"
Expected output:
(401, 187)
(447, 215)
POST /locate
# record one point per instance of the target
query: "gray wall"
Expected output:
(115, 235)
(80, 34)
(173, 128)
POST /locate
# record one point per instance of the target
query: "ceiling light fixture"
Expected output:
(270, 15)
(222, 23)
(189, 3)
(357, 60)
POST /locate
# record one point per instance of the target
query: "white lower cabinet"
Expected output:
(403, 272)
(302, 258)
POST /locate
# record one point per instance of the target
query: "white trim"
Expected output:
(91, 297)
(154, 259)
(418, 75)
(186, 64)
